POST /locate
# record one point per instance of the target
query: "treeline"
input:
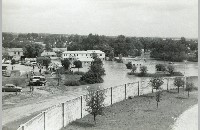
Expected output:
(163, 49)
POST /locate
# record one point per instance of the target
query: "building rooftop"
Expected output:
(88, 51)
(59, 49)
(48, 53)
(14, 49)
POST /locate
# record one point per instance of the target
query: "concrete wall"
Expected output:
(61, 115)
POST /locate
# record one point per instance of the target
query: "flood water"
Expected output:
(116, 73)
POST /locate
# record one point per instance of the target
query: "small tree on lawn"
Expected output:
(179, 82)
(170, 69)
(156, 82)
(95, 102)
(189, 87)
(78, 64)
(66, 63)
(143, 70)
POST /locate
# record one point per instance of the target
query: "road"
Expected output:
(188, 120)
(16, 113)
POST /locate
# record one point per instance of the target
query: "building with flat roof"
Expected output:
(15, 53)
(83, 56)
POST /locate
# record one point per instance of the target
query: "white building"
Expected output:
(83, 56)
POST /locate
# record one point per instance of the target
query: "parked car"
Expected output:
(7, 62)
(37, 80)
(11, 88)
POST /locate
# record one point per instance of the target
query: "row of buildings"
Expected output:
(83, 56)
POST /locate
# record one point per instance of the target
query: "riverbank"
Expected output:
(140, 113)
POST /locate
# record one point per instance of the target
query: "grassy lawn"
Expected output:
(139, 113)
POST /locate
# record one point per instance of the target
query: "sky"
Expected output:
(147, 18)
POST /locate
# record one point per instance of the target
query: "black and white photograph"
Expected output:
(99, 65)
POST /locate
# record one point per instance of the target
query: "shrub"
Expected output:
(179, 82)
(160, 67)
(143, 70)
(91, 78)
(129, 65)
(72, 83)
(170, 69)
(79, 73)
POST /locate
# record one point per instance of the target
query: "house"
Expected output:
(49, 54)
(83, 56)
(16, 53)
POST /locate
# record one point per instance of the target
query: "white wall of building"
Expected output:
(83, 55)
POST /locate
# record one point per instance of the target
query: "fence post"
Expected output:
(125, 91)
(81, 107)
(111, 96)
(138, 88)
(63, 114)
(44, 120)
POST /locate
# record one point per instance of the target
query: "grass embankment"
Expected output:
(156, 74)
(140, 113)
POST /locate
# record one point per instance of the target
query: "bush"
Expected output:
(13, 61)
(143, 70)
(72, 83)
(129, 65)
(91, 78)
(68, 72)
(160, 67)
(79, 73)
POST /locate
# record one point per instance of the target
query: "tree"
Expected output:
(179, 82)
(160, 67)
(143, 70)
(189, 87)
(156, 82)
(45, 61)
(48, 47)
(32, 50)
(13, 61)
(66, 63)
(95, 72)
(170, 69)
(129, 65)
(95, 102)
(111, 55)
(78, 64)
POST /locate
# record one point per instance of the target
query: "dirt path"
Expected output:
(16, 113)
(188, 120)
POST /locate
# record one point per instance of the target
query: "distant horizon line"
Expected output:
(103, 35)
